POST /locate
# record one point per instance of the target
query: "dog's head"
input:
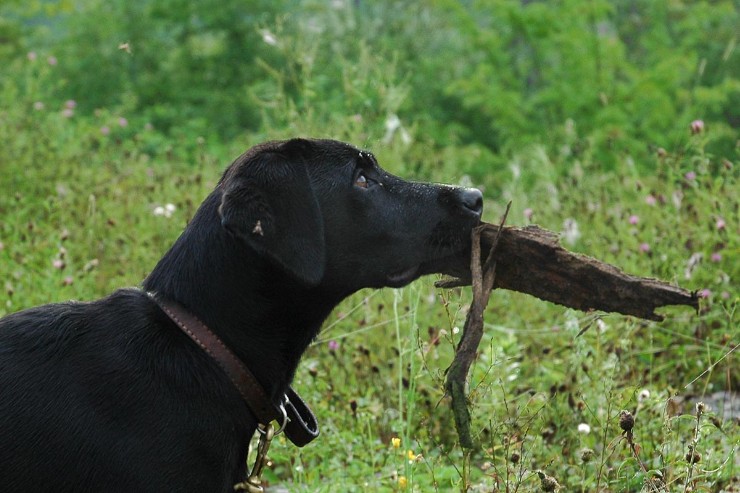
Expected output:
(326, 213)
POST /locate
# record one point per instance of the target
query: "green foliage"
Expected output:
(578, 111)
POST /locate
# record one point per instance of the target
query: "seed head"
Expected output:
(548, 483)
(693, 457)
(626, 421)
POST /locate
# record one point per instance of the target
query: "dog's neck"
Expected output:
(242, 298)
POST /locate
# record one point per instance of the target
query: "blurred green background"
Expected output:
(613, 123)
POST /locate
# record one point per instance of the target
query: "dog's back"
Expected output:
(111, 378)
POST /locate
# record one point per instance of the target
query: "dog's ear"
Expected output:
(269, 203)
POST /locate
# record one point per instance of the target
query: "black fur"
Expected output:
(111, 396)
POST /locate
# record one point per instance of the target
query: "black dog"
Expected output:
(112, 396)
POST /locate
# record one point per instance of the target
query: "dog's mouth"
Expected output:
(456, 264)
(403, 277)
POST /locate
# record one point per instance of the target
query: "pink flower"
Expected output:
(634, 219)
(52, 60)
(716, 257)
(650, 200)
(68, 112)
(32, 56)
(70, 104)
(68, 281)
(705, 293)
(720, 224)
(58, 264)
(122, 122)
(725, 295)
(528, 213)
(691, 176)
(644, 247)
(697, 127)
(104, 130)
(333, 345)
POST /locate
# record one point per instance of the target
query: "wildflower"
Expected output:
(725, 294)
(122, 122)
(690, 175)
(396, 442)
(58, 264)
(104, 130)
(716, 257)
(548, 483)
(584, 428)
(634, 219)
(31, 56)
(70, 103)
(570, 232)
(411, 455)
(587, 454)
(662, 152)
(644, 247)
(643, 395)
(38, 106)
(148, 127)
(720, 224)
(68, 112)
(67, 281)
(456, 330)
(697, 126)
(268, 37)
(705, 293)
(333, 345)
(692, 263)
(165, 211)
(692, 456)
(651, 200)
(52, 60)
(528, 214)
(402, 481)
(626, 421)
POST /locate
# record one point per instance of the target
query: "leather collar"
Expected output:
(292, 414)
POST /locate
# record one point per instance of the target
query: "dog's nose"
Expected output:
(472, 199)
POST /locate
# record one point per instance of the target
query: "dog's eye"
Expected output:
(361, 181)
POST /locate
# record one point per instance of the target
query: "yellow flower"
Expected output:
(396, 442)
(402, 482)
(411, 455)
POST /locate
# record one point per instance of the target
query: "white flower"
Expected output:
(584, 428)
(268, 37)
(456, 330)
(643, 395)
(164, 211)
(570, 231)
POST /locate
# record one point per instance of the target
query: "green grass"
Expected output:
(77, 217)
(78, 221)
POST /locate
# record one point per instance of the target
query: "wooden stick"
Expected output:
(530, 260)
(483, 277)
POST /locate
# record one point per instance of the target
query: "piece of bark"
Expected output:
(530, 260)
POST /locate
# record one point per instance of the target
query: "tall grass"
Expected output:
(84, 196)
